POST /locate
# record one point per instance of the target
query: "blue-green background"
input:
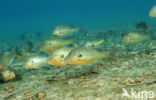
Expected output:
(19, 16)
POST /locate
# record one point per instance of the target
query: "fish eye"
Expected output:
(80, 55)
(49, 44)
(62, 56)
(32, 61)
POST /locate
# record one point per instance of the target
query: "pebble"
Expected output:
(115, 79)
(128, 80)
(122, 69)
(8, 75)
(70, 82)
(41, 96)
(27, 92)
(148, 74)
(138, 81)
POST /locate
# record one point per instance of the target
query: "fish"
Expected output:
(57, 57)
(35, 62)
(94, 43)
(6, 58)
(64, 30)
(53, 44)
(152, 12)
(135, 37)
(142, 25)
(83, 56)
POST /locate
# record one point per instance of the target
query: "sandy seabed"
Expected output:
(104, 80)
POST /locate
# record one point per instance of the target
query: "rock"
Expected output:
(41, 96)
(8, 75)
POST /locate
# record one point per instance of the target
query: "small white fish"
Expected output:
(152, 12)
(94, 43)
(35, 62)
(135, 37)
(63, 30)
